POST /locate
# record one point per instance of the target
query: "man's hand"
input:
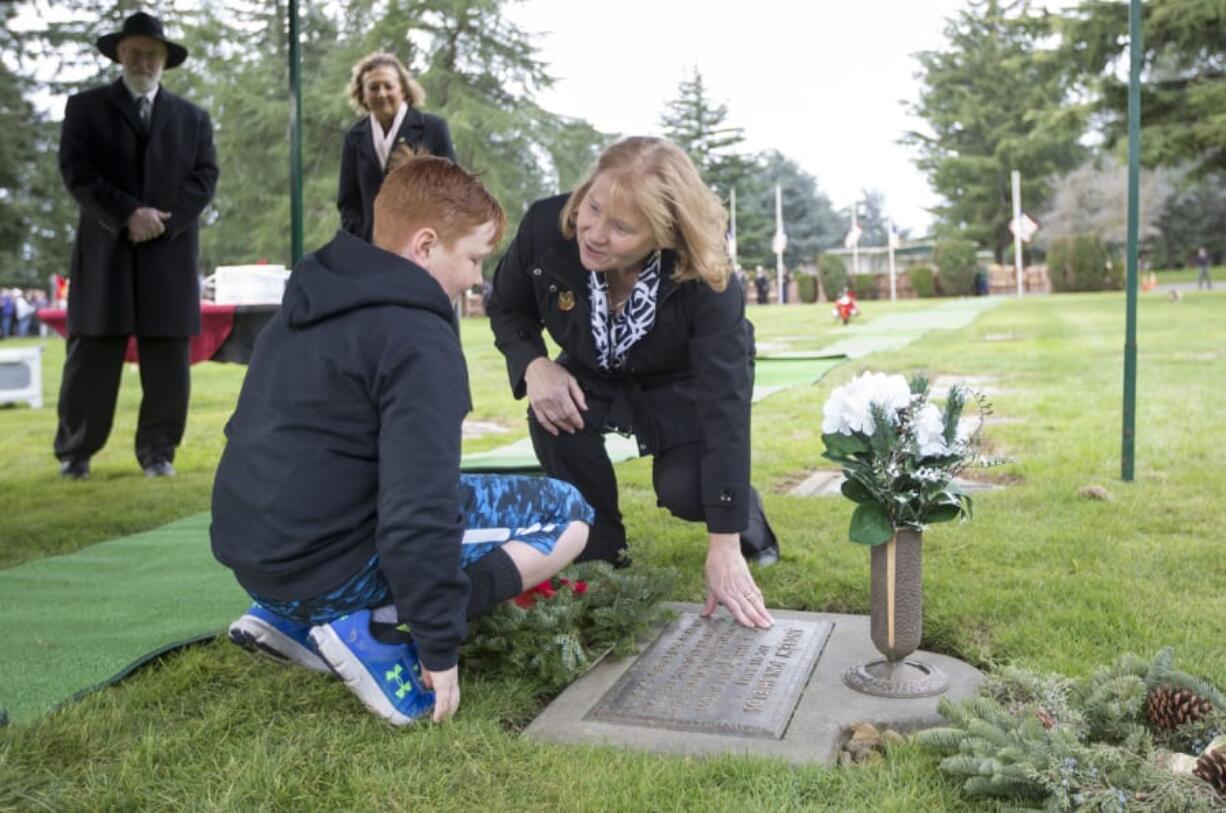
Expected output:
(555, 395)
(446, 686)
(730, 583)
(146, 223)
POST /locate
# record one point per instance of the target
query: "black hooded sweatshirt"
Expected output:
(346, 443)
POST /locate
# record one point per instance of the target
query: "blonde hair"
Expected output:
(425, 191)
(660, 180)
(414, 93)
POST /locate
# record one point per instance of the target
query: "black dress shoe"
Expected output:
(75, 469)
(160, 468)
(765, 557)
(759, 545)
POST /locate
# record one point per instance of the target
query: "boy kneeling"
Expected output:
(339, 502)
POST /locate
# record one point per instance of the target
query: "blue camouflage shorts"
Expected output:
(496, 507)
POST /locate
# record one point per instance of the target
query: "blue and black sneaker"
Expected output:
(385, 677)
(273, 636)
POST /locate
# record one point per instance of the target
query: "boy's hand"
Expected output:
(446, 686)
(555, 395)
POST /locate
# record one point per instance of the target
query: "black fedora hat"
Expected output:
(142, 25)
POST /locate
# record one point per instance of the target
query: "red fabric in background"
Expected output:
(216, 322)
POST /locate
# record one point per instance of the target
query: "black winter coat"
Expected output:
(361, 174)
(346, 443)
(111, 167)
(690, 379)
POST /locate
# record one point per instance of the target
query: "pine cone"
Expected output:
(1169, 707)
(1211, 767)
(1045, 717)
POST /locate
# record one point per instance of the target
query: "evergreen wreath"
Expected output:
(1137, 735)
(557, 630)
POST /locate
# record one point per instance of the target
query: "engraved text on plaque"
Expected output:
(715, 676)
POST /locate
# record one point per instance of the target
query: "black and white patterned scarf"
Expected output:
(615, 334)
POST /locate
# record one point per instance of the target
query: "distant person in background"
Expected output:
(762, 285)
(384, 89)
(38, 299)
(23, 313)
(981, 282)
(1202, 269)
(8, 310)
(140, 163)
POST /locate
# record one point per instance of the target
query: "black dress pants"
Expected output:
(90, 388)
(581, 460)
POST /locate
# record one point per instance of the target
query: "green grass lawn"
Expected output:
(1042, 578)
(1174, 275)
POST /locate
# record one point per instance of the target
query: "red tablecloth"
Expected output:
(216, 322)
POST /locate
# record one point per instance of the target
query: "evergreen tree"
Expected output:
(998, 98)
(1183, 91)
(809, 219)
(17, 152)
(699, 126)
(873, 220)
(1192, 217)
(480, 72)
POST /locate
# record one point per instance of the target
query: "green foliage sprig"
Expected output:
(561, 635)
(1054, 743)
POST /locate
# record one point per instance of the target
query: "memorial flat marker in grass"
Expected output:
(713, 675)
(709, 686)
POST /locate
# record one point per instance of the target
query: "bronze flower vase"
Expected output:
(897, 623)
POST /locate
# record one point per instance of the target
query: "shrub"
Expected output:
(956, 265)
(806, 284)
(834, 274)
(864, 285)
(923, 281)
(1079, 263)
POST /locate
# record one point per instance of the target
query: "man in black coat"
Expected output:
(141, 165)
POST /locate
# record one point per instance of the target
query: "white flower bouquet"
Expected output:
(900, 452)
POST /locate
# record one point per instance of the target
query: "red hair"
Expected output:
(423, 191)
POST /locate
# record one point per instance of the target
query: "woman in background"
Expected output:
(383, 88)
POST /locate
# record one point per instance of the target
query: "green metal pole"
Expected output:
(1134, 172)
(295, 134)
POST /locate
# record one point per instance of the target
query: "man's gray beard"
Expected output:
(140, 85)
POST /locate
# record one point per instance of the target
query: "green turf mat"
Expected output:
(519, 457)
(777, 372)
(73, 623)
(897, 330)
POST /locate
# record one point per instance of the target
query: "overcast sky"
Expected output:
(821, 81)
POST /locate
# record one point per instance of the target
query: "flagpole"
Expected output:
(732, 209)
(855, 247)
(1017, 229)
(295, 135)
(778, 241)
(1136, 57)
(889, 239)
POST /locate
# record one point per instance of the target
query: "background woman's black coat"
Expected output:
(689, 379)
(111, 166)
(361, 174)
